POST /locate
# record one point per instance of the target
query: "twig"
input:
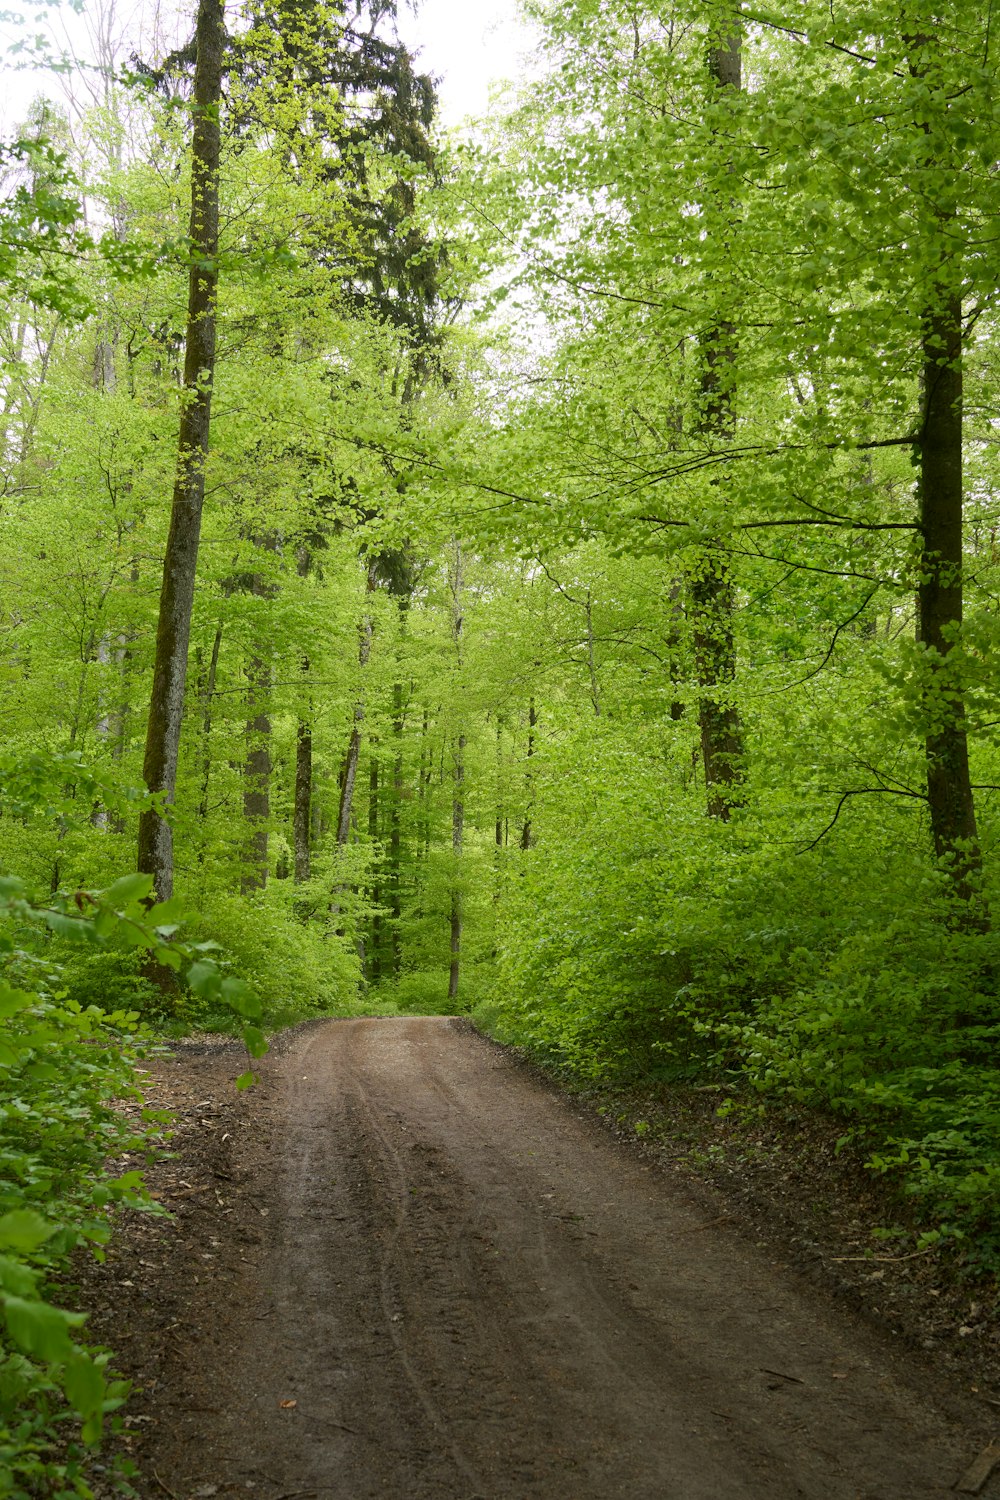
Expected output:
(794, 1379)
(164, 1487)
(861, 791)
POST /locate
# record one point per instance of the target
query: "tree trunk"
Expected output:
(301, 820)
(710, 588)
(302, 814)
(424, 788)
(257, 776)
(527, 837)
(207, 694)
(155, 853)
(949, 788)
(458, 789)
(350, 772)
(396, 828)
(457, 840)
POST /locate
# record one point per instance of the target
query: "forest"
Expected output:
(548, 575)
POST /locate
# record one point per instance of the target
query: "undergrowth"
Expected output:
(796, 980)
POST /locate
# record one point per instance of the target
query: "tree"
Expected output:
(166, 708)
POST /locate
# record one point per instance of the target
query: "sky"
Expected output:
(467, 44)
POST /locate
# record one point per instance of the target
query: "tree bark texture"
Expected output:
(301, 818)
(350, 773)
(257, 776)
(207, 694)
(458, 792)
(710, 589)
(949, 785)
(155, 854)
(374, 818)
(302, 812)
(396, 827)
(457, 840)
(527, 836)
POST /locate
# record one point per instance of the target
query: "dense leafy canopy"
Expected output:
(595, 623)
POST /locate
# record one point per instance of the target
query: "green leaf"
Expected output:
(75, 929)
(238, 994)
(83, 1385)
(165, 913)
(41, 1329)
(256, 1041)
(24, 1229)
(204, 979)
(127, 889)
(11, 1001)
(246, 1080)
(15, 1278)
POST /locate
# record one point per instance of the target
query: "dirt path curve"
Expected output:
(470, 1293)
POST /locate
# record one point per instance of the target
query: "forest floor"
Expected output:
(406, 1266)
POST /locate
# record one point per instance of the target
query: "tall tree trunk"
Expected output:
(710, 587)
(257, 767)
(350, 771)
(458, 788)
(207, 695)
(301, 820)
(396, 827)
(374, 812)
(457, 841)
(527, 837)
(155, 853)
(257, 775)
(424, 789)
(949, 787)
(301, 816)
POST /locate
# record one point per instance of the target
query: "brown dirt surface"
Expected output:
(403, 1266)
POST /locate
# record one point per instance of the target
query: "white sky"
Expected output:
(466, 44)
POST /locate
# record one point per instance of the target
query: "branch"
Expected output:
(832, 647)
(863, 791)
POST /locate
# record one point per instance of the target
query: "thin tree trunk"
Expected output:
(527, 837)
(458, 791)
(207, 695)
(257, 774)
(301, 821)
(155, 853)
(301, 816)
(498, 830)
(375, 942)
(710, 587)
(424, 792)
(396, 828)
(457, 841)
(350, 771)
(949, 787)
(595, 692)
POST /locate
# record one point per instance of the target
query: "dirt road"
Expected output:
(434, 1281)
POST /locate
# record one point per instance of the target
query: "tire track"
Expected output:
(454, 1289)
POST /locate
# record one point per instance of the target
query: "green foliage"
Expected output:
(64, 1064)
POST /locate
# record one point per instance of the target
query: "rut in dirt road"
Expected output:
(460, 1289)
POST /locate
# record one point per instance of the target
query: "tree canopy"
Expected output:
(587, 535)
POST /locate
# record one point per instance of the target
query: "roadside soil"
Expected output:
(404, 1266)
